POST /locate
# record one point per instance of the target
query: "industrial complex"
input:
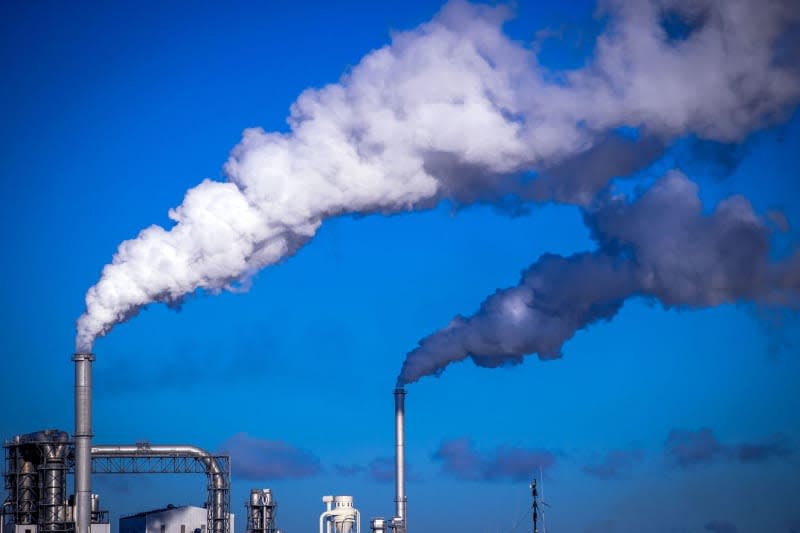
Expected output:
(37, 466)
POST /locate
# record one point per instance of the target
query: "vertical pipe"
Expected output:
(83, 440)
(3, 515)
(27, 494)
(53, 480)
(95, 509)
(399, 439)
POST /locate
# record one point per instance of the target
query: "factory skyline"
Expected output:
(686, 395)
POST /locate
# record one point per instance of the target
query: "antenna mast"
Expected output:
(535, 506)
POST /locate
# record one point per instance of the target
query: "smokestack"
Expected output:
(400, 461)
(83, 440)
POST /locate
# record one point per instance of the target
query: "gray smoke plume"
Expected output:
(660, 246)
(455, 109)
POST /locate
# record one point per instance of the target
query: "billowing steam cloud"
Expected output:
(659, 246)
(455, 109)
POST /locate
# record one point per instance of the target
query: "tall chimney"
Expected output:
(83, 440)
(399, 460)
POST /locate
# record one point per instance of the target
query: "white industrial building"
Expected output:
(171, 519)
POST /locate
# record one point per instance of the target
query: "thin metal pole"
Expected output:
(535, 506)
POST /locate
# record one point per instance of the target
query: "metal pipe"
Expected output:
(3, 515)
(323, 520)
(215, 474)
(26, 495)
(399, 457)
(53, 481)
(83, 440)
(254, 514)
(268, 511)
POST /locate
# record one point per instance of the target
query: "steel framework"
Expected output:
(144, 458)
(155, 465)
(36, 479)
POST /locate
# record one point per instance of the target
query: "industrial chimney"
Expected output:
(83, 440)
(399, 520)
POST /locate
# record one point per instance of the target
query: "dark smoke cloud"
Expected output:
(760, 452)
(348, 470)
(262, 460)
(460, 459)
(687, 448)
(456, 110)
(721, 526)
(661, 246)
(577, 180)
(380, 469)
(615, 465)
(779, 220)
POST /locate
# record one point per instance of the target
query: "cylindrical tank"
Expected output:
(268, 515)
(49, 503)
(378, 525)
(254, 518)
(261, 511)
(340, 502)
(94, 507)
(53, 478)
(26, 494)
(344, 514)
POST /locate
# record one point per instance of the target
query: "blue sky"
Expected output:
(110, 113)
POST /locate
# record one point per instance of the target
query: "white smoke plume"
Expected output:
(456, 109)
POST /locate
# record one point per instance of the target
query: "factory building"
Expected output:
(170, 519)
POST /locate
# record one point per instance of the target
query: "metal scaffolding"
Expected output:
(36, 480)
(261, 508)
(144, 458)
(37, 465)
(153, 465)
